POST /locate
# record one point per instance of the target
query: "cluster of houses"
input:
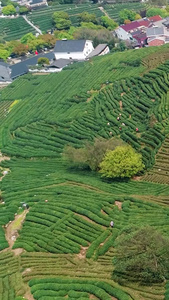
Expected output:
(153, 31)
(65, 52)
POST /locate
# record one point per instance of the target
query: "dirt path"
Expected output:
(82, 254)
(105, 12)
(28, 294)
(11, 231)
(121, 104)
(29, 22)
(4, 157)
(119, 204)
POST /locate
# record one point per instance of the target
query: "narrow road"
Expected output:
(102, 9)
(29, 22)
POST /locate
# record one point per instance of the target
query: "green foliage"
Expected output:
(4, 54)
(27, 38)
(126, 14)
(156, 11)
(87, 17)
(92, 154)
(141, 255)
(9, 10)
(61, 20)
(108, 23)
(120, 163)
(23, 10)
(43, 61)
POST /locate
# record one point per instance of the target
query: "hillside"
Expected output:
(62, 247)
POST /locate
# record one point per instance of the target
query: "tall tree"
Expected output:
(141, 255)
(92, 154)
(9, 10)
(123, 162)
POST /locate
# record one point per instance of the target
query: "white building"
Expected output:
(73, 49)
(101, 49)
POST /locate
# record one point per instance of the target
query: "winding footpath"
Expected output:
(31, 24)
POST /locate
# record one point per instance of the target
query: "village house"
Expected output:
(152, 31)
(33, 4)
(101, 49)
(73, 49)
(5, 74)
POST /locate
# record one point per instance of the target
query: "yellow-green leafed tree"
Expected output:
(122, 162)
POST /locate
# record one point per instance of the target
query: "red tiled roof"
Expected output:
(156, 42)
(144, 23)
(131, 26)
(155, 18)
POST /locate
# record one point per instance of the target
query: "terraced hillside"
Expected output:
(43, 17)
(61, 246)
(14, 29)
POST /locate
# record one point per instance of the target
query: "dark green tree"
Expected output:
(86, 17)
(141, 255)
(43, 61)
(61, 20)
(92, 154)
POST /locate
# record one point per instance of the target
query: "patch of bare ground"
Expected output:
(121, 104)
(93, 297)
(104, 241)
(113, 298)
(85, 218)
(82, 254)
(4, 157)
(41, 73)
(103, 212)
(11, 231)
(137, 178)
(119, 204)
(28, 294)
(26, 271)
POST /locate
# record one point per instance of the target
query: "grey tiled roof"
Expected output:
(69, 46)
(97, 50)
(4, 73)
(61, 63)
(153, 31)
(21, 68)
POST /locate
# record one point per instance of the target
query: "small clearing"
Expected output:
(82, 254)
(11, 231)
(93, 297)
(85, 218)
(4, 157)
(28, 294)
(121, 104)
(102, 9)
(103, 212)
(119, 204)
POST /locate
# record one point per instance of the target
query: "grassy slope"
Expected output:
(73, 224)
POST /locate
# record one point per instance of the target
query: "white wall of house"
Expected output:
(122, 34)
(105, 51)
(79, 55)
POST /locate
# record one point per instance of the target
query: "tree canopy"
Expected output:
(61, 20)
(9, 10)
(126, 14)
(43, 61)
(27, 38)
(92, 154)
(123, 162)
(87, 17)
(156, 11)
(141, 255)
(108, 23)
